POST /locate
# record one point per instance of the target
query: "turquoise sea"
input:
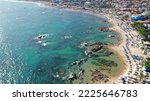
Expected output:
(24, 60)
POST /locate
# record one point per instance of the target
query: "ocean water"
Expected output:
(24, 60)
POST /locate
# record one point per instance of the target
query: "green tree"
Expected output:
(147, 64)
(141, 76)
(140, 29)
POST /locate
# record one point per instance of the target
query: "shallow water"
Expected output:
(23, 60)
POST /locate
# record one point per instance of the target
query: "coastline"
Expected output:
(118, 49)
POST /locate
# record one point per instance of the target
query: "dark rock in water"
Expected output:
(72, 76)
(41, 36)
(104, 29)
(105, 21)
(95, 55)
(74, 63)
(78, 63)
(81, 60)
(88, 53)
(81, 73)
(96, 48)
(109, 53)
(85, 59)
(97, 76)
(83, 45)
(110, 36)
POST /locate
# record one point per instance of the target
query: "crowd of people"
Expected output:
(135, 73)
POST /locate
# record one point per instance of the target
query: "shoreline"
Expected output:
(118, 48)
(113, 48)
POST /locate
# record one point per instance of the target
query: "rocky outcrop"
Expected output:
(104, 29)
(97, 76)
(96, 48)
(88, 53)
(72, 76)
(79, 62)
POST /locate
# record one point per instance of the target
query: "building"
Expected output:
(138, 17)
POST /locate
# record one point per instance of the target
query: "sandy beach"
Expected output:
(118, 48)
(121, 52)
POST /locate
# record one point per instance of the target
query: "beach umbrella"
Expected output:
(126, 82)
(128, 73)
(140, 66)
(131, 82)
(134, 77)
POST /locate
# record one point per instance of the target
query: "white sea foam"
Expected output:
(39, 42)
(38, 3)
(45, 43)
(17, 1)
(1, 35)
(42, 4)
(10, 70)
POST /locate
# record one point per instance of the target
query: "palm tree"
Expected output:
(141, 76)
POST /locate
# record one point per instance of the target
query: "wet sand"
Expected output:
(119, 49)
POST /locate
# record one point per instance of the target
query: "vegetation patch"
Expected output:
(140, 29)
(104, 62)
(147, 64)
(148, 16)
